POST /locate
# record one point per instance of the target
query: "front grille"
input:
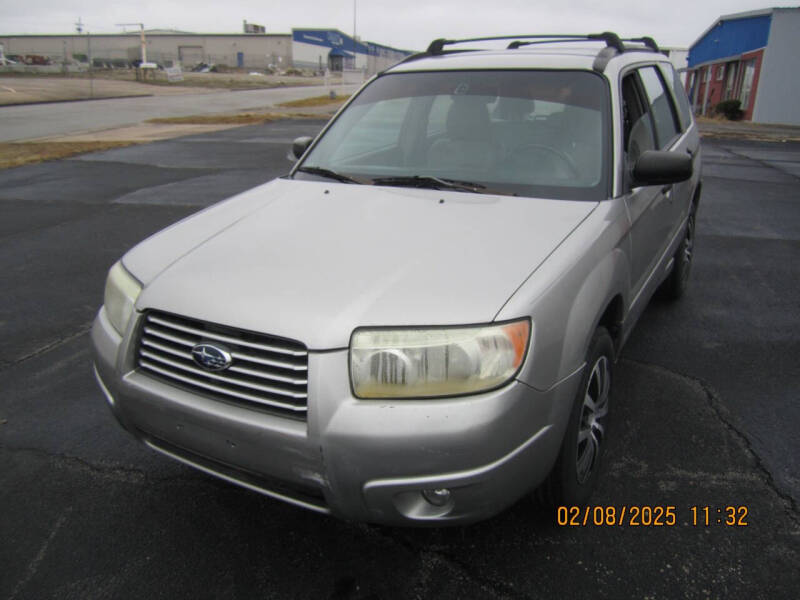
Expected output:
(266, 372)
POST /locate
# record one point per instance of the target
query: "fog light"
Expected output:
(438, 497)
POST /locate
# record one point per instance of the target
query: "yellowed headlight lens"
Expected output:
(121, 293)
(447, 361)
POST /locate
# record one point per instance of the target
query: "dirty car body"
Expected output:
(418, 325)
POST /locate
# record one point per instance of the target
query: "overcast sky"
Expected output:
(408, 24)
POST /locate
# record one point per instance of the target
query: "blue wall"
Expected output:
(328, 38)
(331, 38)
(730, 38)
(385, 51)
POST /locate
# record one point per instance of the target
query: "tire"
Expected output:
(577, 468)
(677, 281)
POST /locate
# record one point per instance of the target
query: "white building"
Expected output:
(317, 49)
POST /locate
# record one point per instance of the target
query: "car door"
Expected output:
(688, 142)
(670, 136)
(648, 206)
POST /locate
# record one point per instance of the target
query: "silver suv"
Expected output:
(419, 323)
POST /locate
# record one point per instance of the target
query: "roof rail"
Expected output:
(611, 39)
(614, 44)
(647, 41)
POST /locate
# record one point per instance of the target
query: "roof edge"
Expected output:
(725, 59)
(734, 17)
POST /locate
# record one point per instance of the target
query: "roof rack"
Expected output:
(647, 41)
(611, 39)
(614, 45)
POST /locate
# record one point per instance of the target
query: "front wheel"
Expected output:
(677, 281)
(577, 468)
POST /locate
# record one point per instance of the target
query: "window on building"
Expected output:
(747, 83)
(720, 72)
(705, 74)
(729, 80)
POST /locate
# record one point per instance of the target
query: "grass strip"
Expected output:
(235, 119)
(13, 154)
(315, 101)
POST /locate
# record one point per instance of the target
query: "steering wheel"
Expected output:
(553, 152)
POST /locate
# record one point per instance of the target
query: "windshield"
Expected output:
(521, 132)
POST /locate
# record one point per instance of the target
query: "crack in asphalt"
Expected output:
(715, 403)
(33, 566)
(52, 345)
(496, 588)
(91, 210)
(108, 472)
(763, 163)
(84, 466)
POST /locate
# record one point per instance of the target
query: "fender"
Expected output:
(609, 279)
(568, 294)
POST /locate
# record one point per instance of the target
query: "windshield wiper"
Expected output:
(330, 174)
(427, 181)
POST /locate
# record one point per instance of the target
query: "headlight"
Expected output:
(424, 363)
(121, 293)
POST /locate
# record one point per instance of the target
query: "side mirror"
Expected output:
(299, 146)
(655, 167)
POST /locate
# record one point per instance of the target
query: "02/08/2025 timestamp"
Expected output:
(650, 516)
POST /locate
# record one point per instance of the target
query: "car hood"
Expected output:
(313, 260)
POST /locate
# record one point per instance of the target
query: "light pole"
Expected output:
(79, 28)
(91, 63)
(355, 42)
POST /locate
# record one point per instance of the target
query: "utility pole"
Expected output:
(79, 29)
(141, 35)
(91, 63)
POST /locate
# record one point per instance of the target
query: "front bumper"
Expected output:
(365, 460)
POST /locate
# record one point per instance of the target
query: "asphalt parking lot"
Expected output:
(706, 414)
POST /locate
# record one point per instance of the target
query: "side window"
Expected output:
(660, 105)
(679, 93)
(638, 128)
(376, 128)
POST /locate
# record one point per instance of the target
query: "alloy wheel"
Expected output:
(592, 428)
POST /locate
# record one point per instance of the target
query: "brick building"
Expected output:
(750, 57)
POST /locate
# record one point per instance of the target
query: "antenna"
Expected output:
(79, 26)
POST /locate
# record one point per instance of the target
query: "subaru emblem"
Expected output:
(212, 357)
